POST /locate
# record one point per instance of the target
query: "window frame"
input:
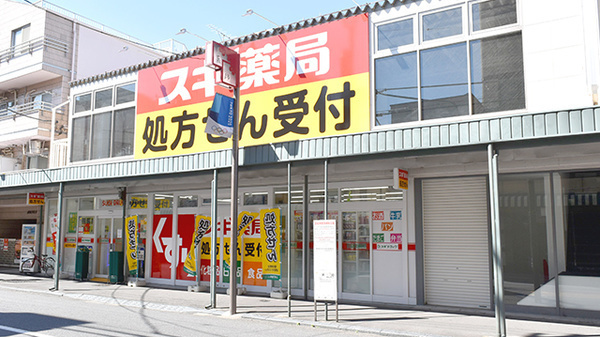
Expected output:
(113, 108)
(418, 46)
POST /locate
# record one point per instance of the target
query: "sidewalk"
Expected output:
(352, 318)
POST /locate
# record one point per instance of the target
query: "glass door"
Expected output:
(109, 238)
(103, 237)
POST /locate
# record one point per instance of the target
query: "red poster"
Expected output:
(162, 248)
(185, 235)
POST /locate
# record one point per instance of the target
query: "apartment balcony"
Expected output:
(23, 122)
(37, 60)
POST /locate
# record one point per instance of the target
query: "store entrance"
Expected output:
(109, 234)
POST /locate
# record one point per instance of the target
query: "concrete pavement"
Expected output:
(352, 318)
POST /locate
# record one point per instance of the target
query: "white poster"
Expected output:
(28, 245)
(325, 260)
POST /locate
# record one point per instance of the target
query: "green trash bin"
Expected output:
(115, 267)
(82, 261)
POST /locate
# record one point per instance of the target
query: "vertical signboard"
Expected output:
(132, 244)
(28, 244)
(201, 227)
(325, 260)
(270, 237)
(400, 179)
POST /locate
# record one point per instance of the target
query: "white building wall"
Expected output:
(558, 64)
(99, 53)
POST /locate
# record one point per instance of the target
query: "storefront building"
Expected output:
(331, 109)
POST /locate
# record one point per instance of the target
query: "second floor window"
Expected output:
(19, 36)
(438, 64)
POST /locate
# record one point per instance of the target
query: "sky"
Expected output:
(154, 21)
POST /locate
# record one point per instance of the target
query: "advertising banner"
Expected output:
(245, 219)
(202, 227)
(28, 244)
(54, 232)
(162, 248)
(132, 244)
(270, 237)
(307, 83)
(220, 116)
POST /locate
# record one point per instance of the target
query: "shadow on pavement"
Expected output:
(33, 322)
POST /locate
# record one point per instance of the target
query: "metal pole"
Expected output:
(59, 235)
(234, 206)
(326, 187)
(496, 251)
(305, 237)
(39, 231)
(125, 264)
(289, 237)
(213, 244)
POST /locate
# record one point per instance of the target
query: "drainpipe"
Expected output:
(59, 235)
(496, 243)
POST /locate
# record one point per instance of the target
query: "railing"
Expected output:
(26, 110)
(89, 22)
(31, 46)
(59, 152)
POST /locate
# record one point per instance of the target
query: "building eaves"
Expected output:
(346, 13)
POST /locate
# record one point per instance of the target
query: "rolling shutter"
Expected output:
(455, 235)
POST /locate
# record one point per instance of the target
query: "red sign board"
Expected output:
(308, 83)
(35, 198)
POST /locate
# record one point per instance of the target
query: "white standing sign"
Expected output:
(325, 260)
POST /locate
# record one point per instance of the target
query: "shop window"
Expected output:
(87, 204)
(163, 204)
(126, 93)
(318, 196)
(491, 14)
(256, 198)
(382, 193)
(442, 24)
(187, 201)
(395, 34)
(356, 252)
(100, 145)
(582, 211)
(281, 196)
(83, 103)
(138, 201)
(81, 139)
(103, 98)
(524, 233)
(123, 132)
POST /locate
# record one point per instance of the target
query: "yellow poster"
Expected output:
(132, 244)
(201, 227)
(245, 219)
(270, 239)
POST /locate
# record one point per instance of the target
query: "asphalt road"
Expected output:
(43, 314)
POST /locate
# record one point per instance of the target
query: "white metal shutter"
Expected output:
(455, 234)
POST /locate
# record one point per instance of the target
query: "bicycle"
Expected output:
(45, 263)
